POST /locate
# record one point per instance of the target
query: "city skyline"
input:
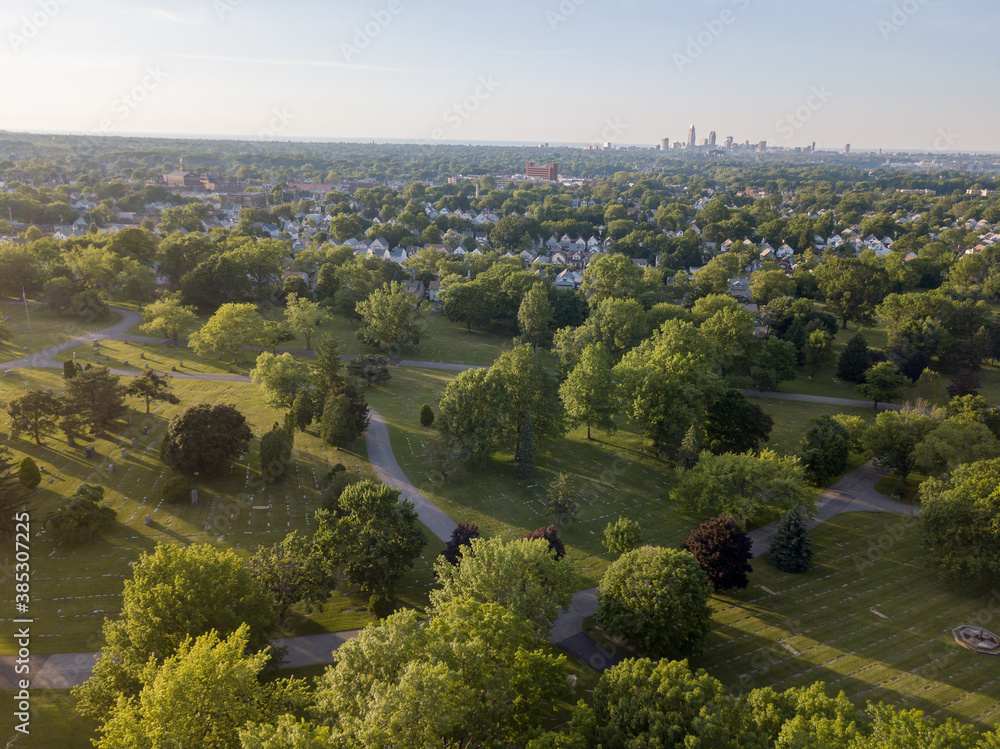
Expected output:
(908, 76)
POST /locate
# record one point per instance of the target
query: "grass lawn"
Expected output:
(54, 722)
(159, 356)
(821, 626)
(73, 589)
(792, 420)
(46, 329)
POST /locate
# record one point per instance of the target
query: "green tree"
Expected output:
(303, 410)
(58, 294)
(560, 508)
(81, 518)
(818, 351)
(337, 426)
(371, 369)
(460, 542)
(656, 599)
(176, 490)
(641, 702)
(522, 575)
(303, 316)
(375, 537)
(275, 454)
(747, 487)
(176, 592)
(892, 440)
(28, 473)
(282, 377)
(205, 438)
(768, 285)
(882, 383)
(152, 387)
(13, 494)
(735, 425)
(791, 549)
(232, 328)
(472, 675)
(426, 415)
(957, 520)
(525, 454)
(825, 449)
(169, 318)
(588, 394)
(611, 277)
(723, 550)
(622, 536)
(388, 319)
(534, 317)
(854, 360)
(95, 398)
(208, 672)
(853, 288)
(953, 443)
(292, 571)
(469, 414)
(35, 412)
(668, 382)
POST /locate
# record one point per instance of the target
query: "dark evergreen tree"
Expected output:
(275, 454)
(82, 517)
(13, 494)
(854, 360)
(550, 534)
(303, 411)
(791, 550)
(337, 425)
(723, 550)
(735, 425)
(372, 369)
(70, 369)
(95, 397)
(461, 536)
(825, 449)
(526, 450)
(426, 415)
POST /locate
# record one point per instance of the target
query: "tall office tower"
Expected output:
(729, 143)
(691, 137)
(847, 149)
(711, 139)
(814, 147)
(665, 144)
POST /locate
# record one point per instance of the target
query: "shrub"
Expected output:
(28, 473)
(177, 490)
(426, 416)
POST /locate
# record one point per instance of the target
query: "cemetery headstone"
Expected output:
(135, 442)
(194, 497)
(91, 452)
(149, 520)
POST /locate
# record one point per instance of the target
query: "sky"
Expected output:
(892, 74)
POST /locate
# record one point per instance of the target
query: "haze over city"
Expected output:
(877, 74)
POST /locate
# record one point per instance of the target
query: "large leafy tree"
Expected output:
(202, 695)
(523, 576)
(853, 288)
(303, 316)
(668, 382)
(176, 592)
(588, 394)
(469, 413)
(282, 377)
(36, 412)
(735, 425)
(292, 571)
(169, 318)
(882, 383)
(892, 440)
(611, 277)
(374, 536)
(474, 675)
(95, 398)
(958, 520)
(388, 319)
(746, 487)
(953, 443)
(205, 438)
(723, 550)
(460, 542)
(232, 328)
(152, 387)
(81, 517)
(657, 599)
(534, 317)
(825, 449)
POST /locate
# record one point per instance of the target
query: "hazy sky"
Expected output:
(916, 74)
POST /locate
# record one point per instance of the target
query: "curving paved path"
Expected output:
(855, 492)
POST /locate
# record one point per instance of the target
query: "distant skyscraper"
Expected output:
(847, 149)
(729, 143)
(691, 137)
(814, 147)
(665, 144)
(711, 139)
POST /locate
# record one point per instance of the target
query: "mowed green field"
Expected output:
(73, 589)
(871, 618)
(46, 329)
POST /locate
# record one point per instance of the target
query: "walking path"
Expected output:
(855, 492)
